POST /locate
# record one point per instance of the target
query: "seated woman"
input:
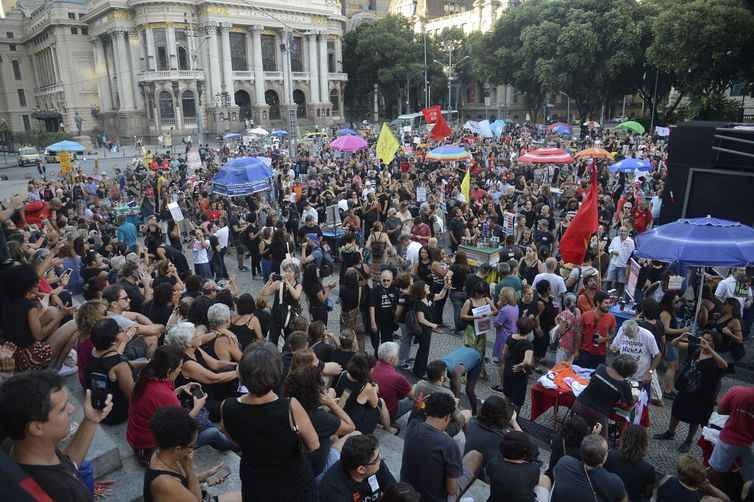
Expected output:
(86, 317)
(358, 396)
(245, 325)
(485, 432)
(106, 359)
(327, 417)
(608, 388)
(221, 343)
(31, 325)
(219, 379)
(161, 306)
(691, 484)
(628, 462)
(568, 440)
(155, 389)
(170, 472)
(321, 341)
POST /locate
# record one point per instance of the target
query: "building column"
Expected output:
(314, 96)
(256, 61)
(134, 48)
(172, 51)
(125, 90)
(339, 54)
(286, 67)
(149, 63)
(192, 52)
(324, 89)
(103, 86)
(227, 64)
(214, 64)
(177, 91)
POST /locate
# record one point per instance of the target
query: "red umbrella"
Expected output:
(546, 156)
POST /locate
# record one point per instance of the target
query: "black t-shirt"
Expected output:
(338, 486)
(429, 458)
(516, 352)
(323, 350)
(61, 482)
(326, 424)
(16, 322)
(636, 477)
(341, 356)
(604, 392)
(571, 483)
(384, 302)
(512, 482)
(483, 439)
(304, 231)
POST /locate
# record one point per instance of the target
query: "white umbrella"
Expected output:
(258, 131)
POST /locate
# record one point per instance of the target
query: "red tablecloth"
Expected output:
(707, 448)
(542, 399)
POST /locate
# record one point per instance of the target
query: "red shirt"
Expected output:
(642, 219)
(156, 394)
(393, 385)
(423, 231)
(738, 402)
(591, 324)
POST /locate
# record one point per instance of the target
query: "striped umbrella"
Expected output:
(594, 153)
(546, 156)
(448, 153)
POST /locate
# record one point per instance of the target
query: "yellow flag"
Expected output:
(466, 186)
(387, 144)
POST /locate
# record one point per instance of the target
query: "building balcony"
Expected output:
(273, 75)
(48, 89)
(338, 76)
(243, 75)
(154, 75)
(301, 75)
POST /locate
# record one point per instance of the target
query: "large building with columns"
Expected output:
(145, 67)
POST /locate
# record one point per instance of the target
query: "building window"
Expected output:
(331, 57)
(334, 99)
(181, 47)
(27, 123)
(143, 52)
(74, 30)
(12, 47)
(71, 15)
(21, 98)
(16, 70)
(85, 31)
(273, 101)
(269, 53)
(161, 48)
(188, 105)
(238, 51)
(166, 106)
(300, 99)
(297, 57)
(9, 34)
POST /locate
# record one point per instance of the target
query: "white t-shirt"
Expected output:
(223, 234)
(199, 253)
(728, 288)
(412, 252)
(557, 284)
(623, 248)
(643, 348)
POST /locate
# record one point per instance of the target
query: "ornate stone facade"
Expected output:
(191, 67)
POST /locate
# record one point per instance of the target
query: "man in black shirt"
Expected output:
(37, 417)
(359, 475)
(383, 299)
(136, 285)
(309, 227)
(456, 229)
(514, 475)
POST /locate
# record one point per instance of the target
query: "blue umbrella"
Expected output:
(497, 127)
(65, 146)
(630, 165)
(243, 176)
(699, 242)
(346, 132)
(231, 135)
(563, 130)
(279, 133)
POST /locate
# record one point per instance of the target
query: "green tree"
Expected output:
(387, 53)
(703, 46)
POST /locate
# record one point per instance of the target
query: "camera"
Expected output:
(276, 277)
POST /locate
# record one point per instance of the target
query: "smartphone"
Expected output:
(99, 384)
(197, 391)
(276, 277)
(68, 271)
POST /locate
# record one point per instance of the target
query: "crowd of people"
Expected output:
(369, 306)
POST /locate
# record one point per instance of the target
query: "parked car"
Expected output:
(28, 155)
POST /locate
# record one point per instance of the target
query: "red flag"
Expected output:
(432, 114)
(575, 241)
(441, 129)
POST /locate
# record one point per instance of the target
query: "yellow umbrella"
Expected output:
(594, 153)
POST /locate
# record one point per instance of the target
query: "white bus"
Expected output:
(414, 122)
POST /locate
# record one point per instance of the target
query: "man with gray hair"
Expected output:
(640, 344)
(578, 480)
(394, 389)
(557, 284)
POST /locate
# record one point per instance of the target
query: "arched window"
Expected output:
(188, 105)
(183, 59)
(273, 101)
(300, 99)
(166, 106)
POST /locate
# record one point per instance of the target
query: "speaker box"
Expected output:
(711, 172)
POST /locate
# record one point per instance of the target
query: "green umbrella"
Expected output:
(632, 126)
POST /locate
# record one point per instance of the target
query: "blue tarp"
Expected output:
(243, 176)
